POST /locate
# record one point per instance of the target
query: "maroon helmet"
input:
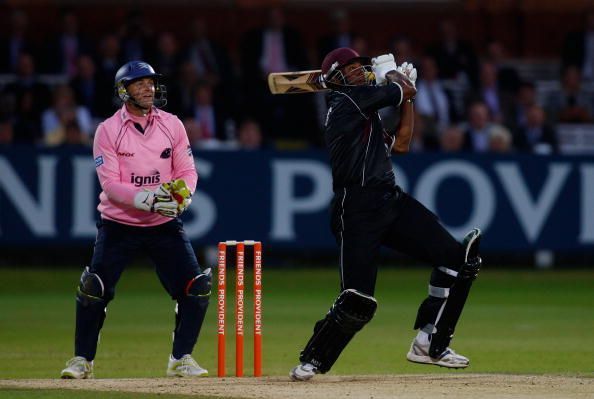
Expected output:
(340, 57)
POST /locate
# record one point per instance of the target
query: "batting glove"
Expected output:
(382, 65)
(181, 194)
(159, 201)
(409, 71)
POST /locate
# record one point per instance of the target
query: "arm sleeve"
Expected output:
(183, 160)
(372, 98)
(108, 169)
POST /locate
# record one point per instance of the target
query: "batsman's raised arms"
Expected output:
(296, 82)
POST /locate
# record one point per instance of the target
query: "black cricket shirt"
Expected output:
(359, 146)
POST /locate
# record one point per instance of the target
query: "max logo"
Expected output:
(125, 154)
(166, 153)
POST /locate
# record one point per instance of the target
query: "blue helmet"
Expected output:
(132, 71)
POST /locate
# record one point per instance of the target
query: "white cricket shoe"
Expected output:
(303, 372)
(78, 368)
(419, 353)
(185, 367)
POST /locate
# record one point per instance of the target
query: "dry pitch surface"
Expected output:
(466, 386)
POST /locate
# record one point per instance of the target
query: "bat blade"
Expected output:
(296, 82)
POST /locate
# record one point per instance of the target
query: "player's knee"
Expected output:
(90, 288)
(200, 285)
(352, 310)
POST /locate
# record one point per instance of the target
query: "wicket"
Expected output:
(239, 305)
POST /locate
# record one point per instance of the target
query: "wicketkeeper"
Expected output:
(369, 211)
(146, 169)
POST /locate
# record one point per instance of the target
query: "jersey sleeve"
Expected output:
(372, 98)
(108, 170)
(183, 159)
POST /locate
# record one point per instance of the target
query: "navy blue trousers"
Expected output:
(169, 249)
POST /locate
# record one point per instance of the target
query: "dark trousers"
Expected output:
(168, 247)
(365, 219)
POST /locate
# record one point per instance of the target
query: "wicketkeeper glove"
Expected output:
(382, 65)
(159, 201)
(409, 71)
(181, 194)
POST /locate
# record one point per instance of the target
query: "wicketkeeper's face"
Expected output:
(143, 91)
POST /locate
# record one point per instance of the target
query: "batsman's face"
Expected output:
(143, 91)
(356, 74)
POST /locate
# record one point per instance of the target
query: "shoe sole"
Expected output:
(411, 357)
(180, 375)
(70, 376)
(295, 377)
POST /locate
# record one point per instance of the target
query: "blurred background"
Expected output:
(504, 130)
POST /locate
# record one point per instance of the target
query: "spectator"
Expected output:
(508, 79)
(137, 36)
(6, 132)
(211, 117)
(476, 137)
(180, 94)
(212, 64)
(107, 64)
(401, 47)
(208, 58)
(341, 36)
(84, 85)
(537, 136)
(193, 131)
(63, 101)
(360, 44)
(74, 137)
(30, 96)
(525, 98)
(500, 139)
(455, 57)
(249, 136)
(63, 52)
(432, 101)
(578, 48)
(497, 102)
(573, 104)
(16, 42)
(166, 57)
(451, 139)
(276, 48)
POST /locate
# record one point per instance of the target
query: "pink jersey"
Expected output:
(128, 161)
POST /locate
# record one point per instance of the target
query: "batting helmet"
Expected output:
(339, 58)
(135, 70)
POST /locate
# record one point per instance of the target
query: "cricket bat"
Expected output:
(296, 82)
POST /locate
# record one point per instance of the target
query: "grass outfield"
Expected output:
(521, 322)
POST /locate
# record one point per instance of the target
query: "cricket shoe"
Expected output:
(303, 372)
(185, 367)
(419, 353)
(78, 368)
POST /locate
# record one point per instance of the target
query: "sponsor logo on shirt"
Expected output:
(125, 154)
(99, 161)
(166, 153)
(149, 180)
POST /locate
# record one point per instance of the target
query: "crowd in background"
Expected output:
(468, 99)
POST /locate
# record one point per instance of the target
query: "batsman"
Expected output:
(370, 210)
(146, 170)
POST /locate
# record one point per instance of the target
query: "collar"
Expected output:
(153, 114)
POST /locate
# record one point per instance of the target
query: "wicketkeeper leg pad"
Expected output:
(90, 314)
(201, 285)
(458, 294)
(90, 288)
(189, 313)
(351, 311)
